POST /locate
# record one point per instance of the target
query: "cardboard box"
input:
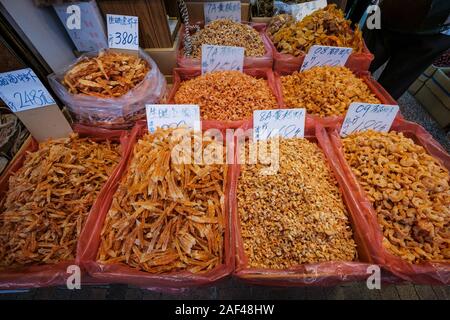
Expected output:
(165, 58)
(196, 11)
(425, 76)
(435, 97)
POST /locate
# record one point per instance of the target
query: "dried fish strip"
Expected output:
(49, 199)
(110, 74)
(409, 191)
(295, 216)
(165, 216)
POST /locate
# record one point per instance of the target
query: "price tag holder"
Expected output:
(222, 10)
(172, 116)
(286, 123)
(27, 97)
(301, 10)
(326, 56)
(123, 32)
(366, 116)
(215, 58)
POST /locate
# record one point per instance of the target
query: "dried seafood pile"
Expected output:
(325, 91)
(109, 75)
(49, 199)
(295, 216)
(166, 216)
(226, 95)
(224, 32)
(409, 191)
(323, 27)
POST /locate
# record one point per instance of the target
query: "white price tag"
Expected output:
(215, 58)
(222, 10)
(301, 10)
(22, 90)
(123, 32)
(287, 123)
(366, 116)
(326, 56)
(172, 116)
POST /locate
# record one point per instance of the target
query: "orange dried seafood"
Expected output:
(409, 191)
(325, 91)
(166, 216)
(111, 74)
(326, 27)
(49, 198)
(226, 95)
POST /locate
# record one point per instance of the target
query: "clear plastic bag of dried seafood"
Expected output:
(109, 89)
(163, 225)
(400, 182)
(295, 227)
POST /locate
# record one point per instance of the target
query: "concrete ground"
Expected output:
(234, 289)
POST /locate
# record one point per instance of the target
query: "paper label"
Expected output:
(301, 10)
(215, 58)
(286, 123)
(222, 10)
(22, 90)
(172, 116)
(365, 116)
(326, 56)
(123, 31)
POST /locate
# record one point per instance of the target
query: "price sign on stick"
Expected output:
(172, 116)
(123, 32)
(215, 58)
(366, 116)
(326, 56)
(286, 123)
(222, 10)
(26, 96)
(301, 10)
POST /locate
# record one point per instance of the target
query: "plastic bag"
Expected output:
(122, 273)
(374, 86)
(284, 63)
(316, 274)
(113, 113)
(52, 274)
(265, 61)
(423, 273)
(183, 74)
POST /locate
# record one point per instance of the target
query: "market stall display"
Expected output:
(225, 32)
(45, 198)
(401, 180)
(226, 95)
(164, 222)
(109, 89)
(326, 91)
(278, 22)
(326, 27)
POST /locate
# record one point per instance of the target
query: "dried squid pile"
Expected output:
(166, 216)
(109, 75)
(49, 198)
(409, 191)
(326, 27)
(295, 216)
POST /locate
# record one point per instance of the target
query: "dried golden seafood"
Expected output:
(226, 95)
(278, 22)
(295, 216)
(409, 191)
(326, 27)
(167, 216)
(49, 198)
(325, 91)
(225, 32)
(109, 75)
